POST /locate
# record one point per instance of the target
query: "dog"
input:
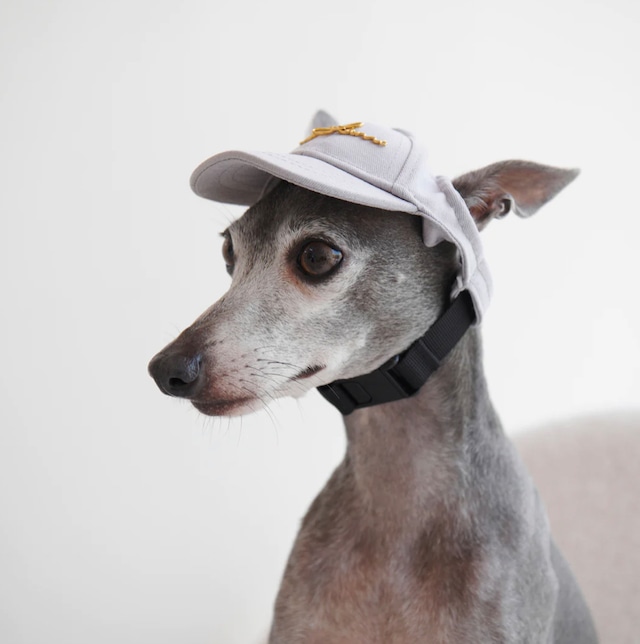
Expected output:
(358, 272)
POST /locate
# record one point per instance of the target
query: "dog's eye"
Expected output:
(227, 253)
(318, 258)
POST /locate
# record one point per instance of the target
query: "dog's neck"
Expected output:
(411, 456)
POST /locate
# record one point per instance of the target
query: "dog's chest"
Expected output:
(359, 592)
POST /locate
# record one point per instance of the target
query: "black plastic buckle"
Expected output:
(379, 386)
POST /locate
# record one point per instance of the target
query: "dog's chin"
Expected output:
(227, 407)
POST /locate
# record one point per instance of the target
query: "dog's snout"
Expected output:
(177, 374)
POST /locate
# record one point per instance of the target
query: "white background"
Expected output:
(124, 515)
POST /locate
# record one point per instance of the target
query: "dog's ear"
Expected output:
(510, 186)
(322, 119)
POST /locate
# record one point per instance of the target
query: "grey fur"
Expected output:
(430, 530)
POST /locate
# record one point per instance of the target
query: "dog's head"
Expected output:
(321, 289)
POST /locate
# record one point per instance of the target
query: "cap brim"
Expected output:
(241, 178)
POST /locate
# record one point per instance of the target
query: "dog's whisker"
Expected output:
(271, 373)
(280, 362)
(265, 403)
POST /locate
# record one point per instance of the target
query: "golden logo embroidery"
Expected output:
(349, 129)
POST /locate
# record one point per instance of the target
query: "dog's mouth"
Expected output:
(308, 372)
(221, 407)
(237, 406)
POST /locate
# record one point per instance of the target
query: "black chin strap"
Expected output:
(404, 374)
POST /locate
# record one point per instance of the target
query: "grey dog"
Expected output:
(430, 530)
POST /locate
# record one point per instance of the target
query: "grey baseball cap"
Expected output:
(363, 163)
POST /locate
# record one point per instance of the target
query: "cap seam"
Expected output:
(326, 157)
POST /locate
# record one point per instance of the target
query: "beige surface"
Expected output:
(588, 472)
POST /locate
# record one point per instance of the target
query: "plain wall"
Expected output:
(124, 515)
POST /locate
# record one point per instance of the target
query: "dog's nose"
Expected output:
(176, 374)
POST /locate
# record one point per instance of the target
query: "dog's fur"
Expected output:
(430, 530)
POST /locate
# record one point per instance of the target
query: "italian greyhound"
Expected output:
(430, 529)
